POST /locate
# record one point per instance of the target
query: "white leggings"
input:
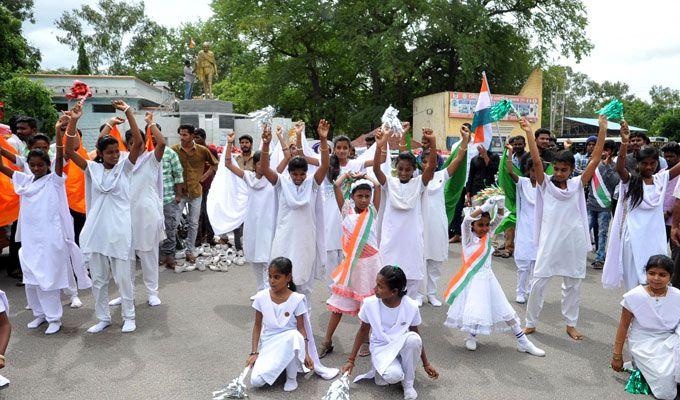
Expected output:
(101, 269)
(525, 271)
(403, 368)
(261, 272)
(571, 299)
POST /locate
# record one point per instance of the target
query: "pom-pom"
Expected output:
(637, 384)
(501, 109)
(391, 123)
(79, 91)
(236, 389)
(339, 389)
(263, 116)
(613, 111)
(486, 194)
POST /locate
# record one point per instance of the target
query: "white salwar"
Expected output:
(654, 338)
(300, 229)
(401, 240)
(259, 226)
(563, 239)
(332, 222)
(636, 235)
(394, 348)
(106, 238)
(435, 229)
(525, 248)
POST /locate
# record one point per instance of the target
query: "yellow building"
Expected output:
(446, 112)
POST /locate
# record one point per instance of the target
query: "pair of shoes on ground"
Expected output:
(128, 326)
(153, 301)
(52, 328)
(524, 346)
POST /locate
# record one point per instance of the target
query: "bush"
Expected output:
(668, 125)
(22, 96)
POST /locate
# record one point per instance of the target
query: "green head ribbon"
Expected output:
(613, 111)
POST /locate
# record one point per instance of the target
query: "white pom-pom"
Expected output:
(391, 123)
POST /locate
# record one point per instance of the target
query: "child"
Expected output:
(478, 304)
(353, 279)
(562, 233)
(107, 235)
(435, 234)
(49, 254)
(5, 332)
(260, 220)
(395, 341)
(525, 249)
(299, 228)
(282, 335)
(638, 230)
(650, 321)
(401, 240)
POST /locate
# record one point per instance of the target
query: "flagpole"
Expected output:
(498, 127)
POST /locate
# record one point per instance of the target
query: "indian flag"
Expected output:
(602, 195)
(481, 121)
(468, 270)
(354, 247)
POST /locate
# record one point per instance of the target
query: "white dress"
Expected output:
(260, 220)
(654, 338)
(332, 219)
(525, 248)
(148, 222)
(561, 231)
(436, 227)
(401, 239)
(481, 307)
(108, 227)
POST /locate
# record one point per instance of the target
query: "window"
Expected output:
(226, 122)
(103, 108)
(61, 106)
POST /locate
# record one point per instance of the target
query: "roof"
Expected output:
(393, 141)
(610, 125)
(88, 77)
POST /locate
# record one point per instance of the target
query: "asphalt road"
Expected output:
(199, 338)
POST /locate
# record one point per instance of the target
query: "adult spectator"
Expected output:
(26, 128)
(173, 184)
(483, 170)
(543, 136)
(599, 205)
(246, 163)
(193, 158)
(637, 140)
(518, 144)
(582, 159)
(671, 152)
(205, 233)
(189, 78)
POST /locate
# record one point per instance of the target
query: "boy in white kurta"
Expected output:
(562, 233)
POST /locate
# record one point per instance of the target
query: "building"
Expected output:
(445, 112)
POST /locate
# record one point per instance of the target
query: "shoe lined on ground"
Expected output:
(129, 326)
(190, 257)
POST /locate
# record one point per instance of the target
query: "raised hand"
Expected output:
(525, 125)
(508, 147)
(381, 137)
(405, 126)
(117, 121)
(625, 131)
(465, 134)
(231, 137)
(299, 127)
(323, 129)
(119, 104)
(76, 112)
(148, 117)
(267, 134)
(428, 135)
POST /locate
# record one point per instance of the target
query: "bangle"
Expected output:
(2, 357)
(109, 125)
(254, 353)
(67, 135)
(326, 149)
(59, 147)
(126, 109)
(351, 360)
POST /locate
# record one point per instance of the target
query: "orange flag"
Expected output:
(75, 182)
(149, 141)
(9, 200)
(115, 133)
(191, 43)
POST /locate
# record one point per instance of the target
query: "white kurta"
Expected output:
(146, 192)
(260, 220)
(561, 231)
(525, 248)
(48, 251)
(436, 227)
(332, 219)
(401, 239)
(654, 337)
(108, 227)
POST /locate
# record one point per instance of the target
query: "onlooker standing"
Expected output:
(582, 159)
(189, 78)
(671, 152)
(483, 169)
(173, 184)
(246, 163)
(599, 203)
(193, 158)
(518, 144)
(205, 232)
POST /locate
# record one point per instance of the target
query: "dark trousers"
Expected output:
(78, 223)
(238, 238)
(205, 232)
(675, 255)
(13, 265)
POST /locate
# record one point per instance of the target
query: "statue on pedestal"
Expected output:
(206, 69)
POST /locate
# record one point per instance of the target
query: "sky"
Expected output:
(635, 42)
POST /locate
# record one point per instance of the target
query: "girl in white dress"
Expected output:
(106, 237)
(639, 227)
(478, 304)
(650, 321)
(401, 238)
(299, 232)
(259, 223)
(49, 254)
(5, 333)
(392, 320)
(282, 335)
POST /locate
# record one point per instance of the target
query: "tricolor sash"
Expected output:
(468, 270)
(354, 247)
(602, 195)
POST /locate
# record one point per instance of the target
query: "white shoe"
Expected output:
(180, 255)
(471, 344)
(214, 267)
(27, 307)
(100, 326)
(115, 302)
(239, 261)
(528, 347)
(290, 385)
(224, 266)
(520, 299)
(36, 323)
(190, 267)
(205, 249)
(179, 268)
(419, 301)
(53, 328)
(129, 326)
(154, 301)
(75, 302)
(410, 393)
(434, 301)
(200, 264)
(230, 254)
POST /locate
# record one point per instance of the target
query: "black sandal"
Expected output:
(326, 348)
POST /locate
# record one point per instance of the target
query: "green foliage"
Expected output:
(25, 97)
(83, 67)
(668, 125)
(16, 55)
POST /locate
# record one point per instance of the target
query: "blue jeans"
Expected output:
(187, 90)
(599, 220)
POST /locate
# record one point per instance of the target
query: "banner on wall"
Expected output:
(462, 105)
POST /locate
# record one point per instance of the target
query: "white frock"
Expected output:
(481, 308)
(260, 220)
(332, 219)
(436, 227)
(525, 248)
(146, 193)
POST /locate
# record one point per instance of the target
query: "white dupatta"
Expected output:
(227, 200)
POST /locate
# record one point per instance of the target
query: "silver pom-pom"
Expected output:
(391, 123)
(263, 117)
(234, 390)
(339, 389)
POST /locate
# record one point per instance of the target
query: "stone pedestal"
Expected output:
(205, 106)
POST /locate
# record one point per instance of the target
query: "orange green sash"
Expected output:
(354, 247)
(468, 270)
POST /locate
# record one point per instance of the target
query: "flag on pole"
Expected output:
(481, 121)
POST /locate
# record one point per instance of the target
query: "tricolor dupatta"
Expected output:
(469, 268)
(602, 195)
(354, 247)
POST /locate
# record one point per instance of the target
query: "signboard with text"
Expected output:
(462, 105)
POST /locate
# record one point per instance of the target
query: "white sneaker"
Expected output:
(115, 302)
(129, 326)
(53, 328)
(471, 344)
(434, 301)
(200, 264)
(36, 323)
(528, 347)
(214, 267)
(190, 267)
(100, 326)
(290, 385)
(179, 268)
(205, 249)
(75, 302)
(410, 393)
(230, 254)
(154, 301)
(224, 266)
(239, 261)
(520, 299)
(419, 301)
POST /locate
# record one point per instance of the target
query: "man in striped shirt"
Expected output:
(173, 182)
(599, 206)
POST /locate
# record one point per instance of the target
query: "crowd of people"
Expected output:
(373, 228)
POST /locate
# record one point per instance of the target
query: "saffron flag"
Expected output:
(115, 133)
(149, 139)
(75, 180)
(482, 119)
(9, 200)
(469, 268)
(454, 186)
(191, 43)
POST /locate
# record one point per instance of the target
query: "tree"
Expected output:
(22, 96)
(16, 55)
(83, 67)
(20, 9)
(668, 125)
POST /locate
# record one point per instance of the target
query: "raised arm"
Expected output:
(533, 150)
(71, 135)
(322, 130)
(596, 157)
(268, 173)
(5, 170)
(462, 151)
(8, 155)
(623, 150)
(159, 149)
(337, 188)
(59, 156)
(380, 156)
(227, 156)
(110, 124)
(508, 163)
(428, 173)
(376, 192)
(137, 141)
(621, 334)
